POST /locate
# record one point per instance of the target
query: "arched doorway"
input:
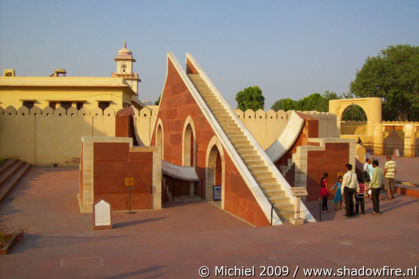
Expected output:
(215, 172)
(353, 121)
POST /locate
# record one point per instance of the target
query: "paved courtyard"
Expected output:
(176, 241)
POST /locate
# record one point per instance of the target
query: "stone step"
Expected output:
(269, 187)
(284, 215)
(10, 171)
(283, 205)
(241, 142)
(13, 180)
(244, 147)
(258, 168)
(6, 165)
(247, 157)
(261, 175)
(248, 152)
(265, 180)
(274, 194)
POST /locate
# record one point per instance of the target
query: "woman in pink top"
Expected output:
(323, 192)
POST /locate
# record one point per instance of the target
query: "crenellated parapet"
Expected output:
(47, 136)
(267, 126)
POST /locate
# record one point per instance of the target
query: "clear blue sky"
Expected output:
(288, 48)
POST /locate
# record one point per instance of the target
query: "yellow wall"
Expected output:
(89, 90)
(48, 137)
(42, 96)
(371, 106)
(267, 126)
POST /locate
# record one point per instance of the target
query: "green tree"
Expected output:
(314, 101)
(250, 98)
(157, 102)
(394, 76)
(285, 104)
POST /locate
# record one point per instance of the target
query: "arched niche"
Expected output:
(188, 143)
(160, 138)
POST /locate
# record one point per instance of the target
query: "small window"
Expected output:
(124, 67)
(52, 105)
(28, 104)
(104, 105)
(79, 105)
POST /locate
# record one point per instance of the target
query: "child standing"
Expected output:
(360, 196)
(338, 195)
(323, 192)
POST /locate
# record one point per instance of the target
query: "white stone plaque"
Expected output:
(102, 214)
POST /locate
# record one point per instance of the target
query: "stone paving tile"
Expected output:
(174, 242)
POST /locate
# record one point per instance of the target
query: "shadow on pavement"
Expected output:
(138, 272)
(136, 222)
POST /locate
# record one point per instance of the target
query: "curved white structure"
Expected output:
(287, 138)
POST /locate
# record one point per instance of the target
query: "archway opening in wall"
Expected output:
(353, 121)
(188, 147)
(394, 141)
(214, 178)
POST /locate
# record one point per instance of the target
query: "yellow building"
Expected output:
(116, 92)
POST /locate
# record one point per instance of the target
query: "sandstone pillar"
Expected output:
(378, 139)
(409, 140)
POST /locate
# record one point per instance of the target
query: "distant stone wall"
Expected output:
(46, 137)
(267, 126)
(264, 126)
(353, 128)
(328, 125)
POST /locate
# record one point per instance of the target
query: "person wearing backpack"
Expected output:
(366, 175)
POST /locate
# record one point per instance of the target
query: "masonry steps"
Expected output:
(250, 156)
(11, 172)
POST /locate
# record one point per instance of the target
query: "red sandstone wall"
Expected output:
(332, 160)
(112, 163)
(238, 198)
(175, 106)
(124, 124)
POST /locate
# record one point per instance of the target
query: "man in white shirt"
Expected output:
(349, 188)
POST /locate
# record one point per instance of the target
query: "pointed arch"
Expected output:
(189, 143)
(160, 137)
(214, 169)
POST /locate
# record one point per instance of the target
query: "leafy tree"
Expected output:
(285, 104)
(314, 101)
(394, 76)
(157, 102)
(250, 98)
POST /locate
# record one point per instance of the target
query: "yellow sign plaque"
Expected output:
(129, 181)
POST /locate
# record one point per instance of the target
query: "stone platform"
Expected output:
(174, 242)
